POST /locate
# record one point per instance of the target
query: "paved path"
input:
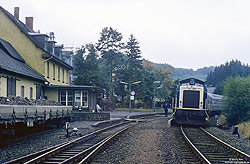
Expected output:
(124, 114)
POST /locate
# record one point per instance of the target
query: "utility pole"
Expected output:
(155, 90)
(130, 84)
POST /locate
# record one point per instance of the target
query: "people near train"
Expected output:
(165, 107)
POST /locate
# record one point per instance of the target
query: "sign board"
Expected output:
(132, 93)
(132, 97)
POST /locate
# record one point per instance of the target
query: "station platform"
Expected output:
(115, 117)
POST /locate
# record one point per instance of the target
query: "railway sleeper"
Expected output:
(56, 159)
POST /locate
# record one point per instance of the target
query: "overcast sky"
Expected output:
(183, 33)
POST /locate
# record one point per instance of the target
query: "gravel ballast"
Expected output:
(34, 143)
(233, 140)
(149, 142)
(152, 141)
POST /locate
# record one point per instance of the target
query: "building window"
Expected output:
(70, 98)
(63, 75)
(63, 97)
(67, 80)
(11, 87)
(47, 69)
(31, 92)
(22, 91)
(54, 71)
(77, 98)
(58, 73)
(66, 98)
(84, 98)
(81, 98)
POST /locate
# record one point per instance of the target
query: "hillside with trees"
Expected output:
(218, 77)
(182, 73)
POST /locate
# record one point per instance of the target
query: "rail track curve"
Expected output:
(80, 150)
(209, 149)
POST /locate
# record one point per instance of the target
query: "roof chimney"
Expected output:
(16, 12)
(29, 22)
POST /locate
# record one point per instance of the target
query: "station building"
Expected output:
(17, 78)
(41, 53)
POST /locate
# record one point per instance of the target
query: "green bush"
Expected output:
(237, 99)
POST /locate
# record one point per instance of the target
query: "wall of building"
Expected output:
(24, 46)
(20, 81)
(54, 77)
(52, 94)
(27, 84)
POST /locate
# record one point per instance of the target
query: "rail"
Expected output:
(193, 147)
(229, 147)
(209, 149)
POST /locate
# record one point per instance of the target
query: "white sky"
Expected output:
(183, 33)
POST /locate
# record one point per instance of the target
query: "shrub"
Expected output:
(237, 99)
(244, 129)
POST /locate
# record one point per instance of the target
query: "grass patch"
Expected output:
(222, 122)
(244, 129)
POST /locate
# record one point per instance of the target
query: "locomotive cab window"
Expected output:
(191, 99)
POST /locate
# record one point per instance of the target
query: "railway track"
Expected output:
(79, 150)
(206, 148)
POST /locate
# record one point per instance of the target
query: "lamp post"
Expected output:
(137, 82)
(155, 90)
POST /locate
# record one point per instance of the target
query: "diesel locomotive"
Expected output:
(189, 105)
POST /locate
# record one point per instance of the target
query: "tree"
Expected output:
(133, 52)
(237, 98)
(153, 73)
(130, 71)
(110, 47)
(87, 69)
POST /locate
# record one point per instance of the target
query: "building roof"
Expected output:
(26, 31)
(13, 62)
(78, 87)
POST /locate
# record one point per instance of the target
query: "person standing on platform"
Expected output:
(165, 107)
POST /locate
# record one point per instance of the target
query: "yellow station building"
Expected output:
(41, 53)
